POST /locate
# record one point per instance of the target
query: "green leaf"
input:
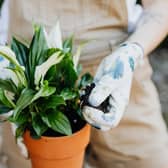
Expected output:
(5, 99)
(57, 121)
(38, 125)
(20, 50)
(85, 80)
(50, 75)
(68, 94)
(23, 101)
(79, 69)
(21, 119)
(37, 52)
(20, 131)
(79, 112)
(28, 96)
(53, 102)
(77, 55)
(4, 109)
(45, 118)
(8, 54)
(54, 38)
(68, 44)
(66, 73)
(44, 91)
(7, 84)
(42, 69)
(20, 77)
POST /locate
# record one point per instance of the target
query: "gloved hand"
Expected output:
(5, 73)
(113, 81)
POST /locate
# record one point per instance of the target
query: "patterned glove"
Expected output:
(113, 84)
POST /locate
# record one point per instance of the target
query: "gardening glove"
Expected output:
(112, 85)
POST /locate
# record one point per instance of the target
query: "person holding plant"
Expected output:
(123, 80)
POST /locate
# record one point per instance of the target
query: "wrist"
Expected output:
(134, 49)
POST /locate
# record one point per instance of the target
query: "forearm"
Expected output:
(152, 27)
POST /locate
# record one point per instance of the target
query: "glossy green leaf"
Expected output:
(68, 94)
(38, 125)
(7, 84)
(37, 52)
(66, 73)
(44, 91)
(85, 80)
(21, 119)
(5, 99)
(42, 69)
(76, 56)
(53, 102)
(23, 101)
(57, 121)
(20, 131)
(8, 54)
(4, 109)
(20, 50)
(28, 96)
(68, 44)
(79, 69)
(21, 78)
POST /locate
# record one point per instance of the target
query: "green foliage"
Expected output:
(9, 85)
(1, 3)
(37, 53)
(5, 99)
(44, 95)
(24, 100)
(68, 44)
(4, 109)
(85, 79)
(57, 121)
(38, 125)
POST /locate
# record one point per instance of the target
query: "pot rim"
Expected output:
(66, 136)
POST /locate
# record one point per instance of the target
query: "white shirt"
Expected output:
(134, 13)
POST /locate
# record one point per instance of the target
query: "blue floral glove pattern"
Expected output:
(113, 81)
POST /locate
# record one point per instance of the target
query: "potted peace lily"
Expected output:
(42, 98)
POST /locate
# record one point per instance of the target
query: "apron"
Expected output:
(140, 140)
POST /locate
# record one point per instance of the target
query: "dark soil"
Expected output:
(85, 97)
(76, 124)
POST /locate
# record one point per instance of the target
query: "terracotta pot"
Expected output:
(58, 152)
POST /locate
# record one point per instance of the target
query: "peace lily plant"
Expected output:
(42, 91)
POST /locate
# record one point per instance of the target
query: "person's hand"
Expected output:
(112, 85)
